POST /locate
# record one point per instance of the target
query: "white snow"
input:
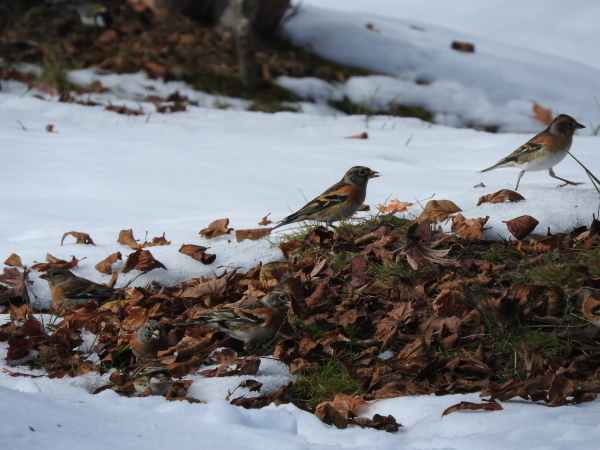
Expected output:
(101, 172)
(493, 86)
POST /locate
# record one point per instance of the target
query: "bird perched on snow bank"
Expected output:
(249, 324)
(153, 375)
(69, 290)
(92, 14)
(338, 202)
(544, 150)
(148, 340)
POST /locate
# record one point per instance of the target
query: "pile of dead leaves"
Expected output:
(449, 321)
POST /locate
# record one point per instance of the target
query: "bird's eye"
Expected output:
(570, 124)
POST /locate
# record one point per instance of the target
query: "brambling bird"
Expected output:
(338, 202)
(544, 150)
(92, 14)
(148, 340)
(153, 375)
(249, 324)
(588, 300)
(69, 290)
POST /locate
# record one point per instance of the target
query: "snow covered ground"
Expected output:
(494, 86)
(100, 172)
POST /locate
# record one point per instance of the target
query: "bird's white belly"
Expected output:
(545, 163)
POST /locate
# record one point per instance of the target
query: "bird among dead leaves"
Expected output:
(250, 324)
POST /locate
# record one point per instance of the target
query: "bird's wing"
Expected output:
(87, 290)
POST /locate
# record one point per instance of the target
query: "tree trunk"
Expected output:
(245, 41)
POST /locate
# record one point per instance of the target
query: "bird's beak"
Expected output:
(156, 334)
(374, 174)
(44, 276)
(578, 125)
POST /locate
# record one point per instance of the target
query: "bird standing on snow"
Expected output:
(338, 202)
(69, 290)
(249, 324)
(544, 150)
(92, 14)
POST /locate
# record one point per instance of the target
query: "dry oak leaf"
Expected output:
(265, 221)
(14, 260)
(143, 261)
(439, 325)
(216, 228)
(82, 238)
(504, 195)
(337, 412)
(541, 114)
(216, 286)
(55, 262)
(394, 205)
(378, 422)
(126, 238)
(451, 303)
(469, 228)
(438, 210)
(160, 240)
(521, 227)
(253, 235)
(49, 128)
(358, 136)
(105, 266)
(469, 406)
(466, 47)
(422, 255)
(198, 253)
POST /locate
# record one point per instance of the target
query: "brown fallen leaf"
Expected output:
(471, 229)
(264, 222)
(437, 211)
(143, 261)
(303, 367)
(358, 136)
(521, 227)
(253, 385)
(216, 228)
(253, 235)
(160, 240)
(541, 114)
(126, 238)
(55, 262)
(277, 398)
(378, 422)
(97, 87)
(14, 260)
(49, 128)
(466, 47)
(105, 266)
(198, 253)
(370, 26)
(469, 406)
(81, 238)
(504, 195)
(396, 205)
(422, 255)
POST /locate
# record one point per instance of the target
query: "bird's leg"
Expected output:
(572, 183)
(521, 173)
